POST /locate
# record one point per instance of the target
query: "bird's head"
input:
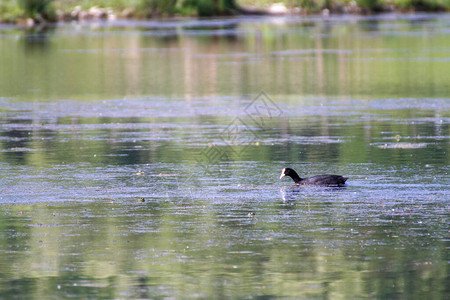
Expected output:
(286, 172)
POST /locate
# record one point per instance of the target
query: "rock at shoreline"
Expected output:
(278, 9)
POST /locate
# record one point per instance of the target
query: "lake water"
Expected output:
(141, 159)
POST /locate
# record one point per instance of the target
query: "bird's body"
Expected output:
(325, 180)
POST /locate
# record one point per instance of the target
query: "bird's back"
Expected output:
(328, 180)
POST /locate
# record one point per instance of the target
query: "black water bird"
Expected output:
(325, 180)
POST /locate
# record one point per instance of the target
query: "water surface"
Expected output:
(142, 159)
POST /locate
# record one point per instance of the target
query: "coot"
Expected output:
(327, 180)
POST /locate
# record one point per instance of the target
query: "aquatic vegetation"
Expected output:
(38, 9)
(9, 11)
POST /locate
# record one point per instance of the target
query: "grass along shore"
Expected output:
(39, 11)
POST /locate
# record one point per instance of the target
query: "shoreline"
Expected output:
(95, 13)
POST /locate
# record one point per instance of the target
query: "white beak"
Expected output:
(282, 174)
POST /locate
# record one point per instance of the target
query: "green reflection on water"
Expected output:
(405, 58)
(186, 248)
